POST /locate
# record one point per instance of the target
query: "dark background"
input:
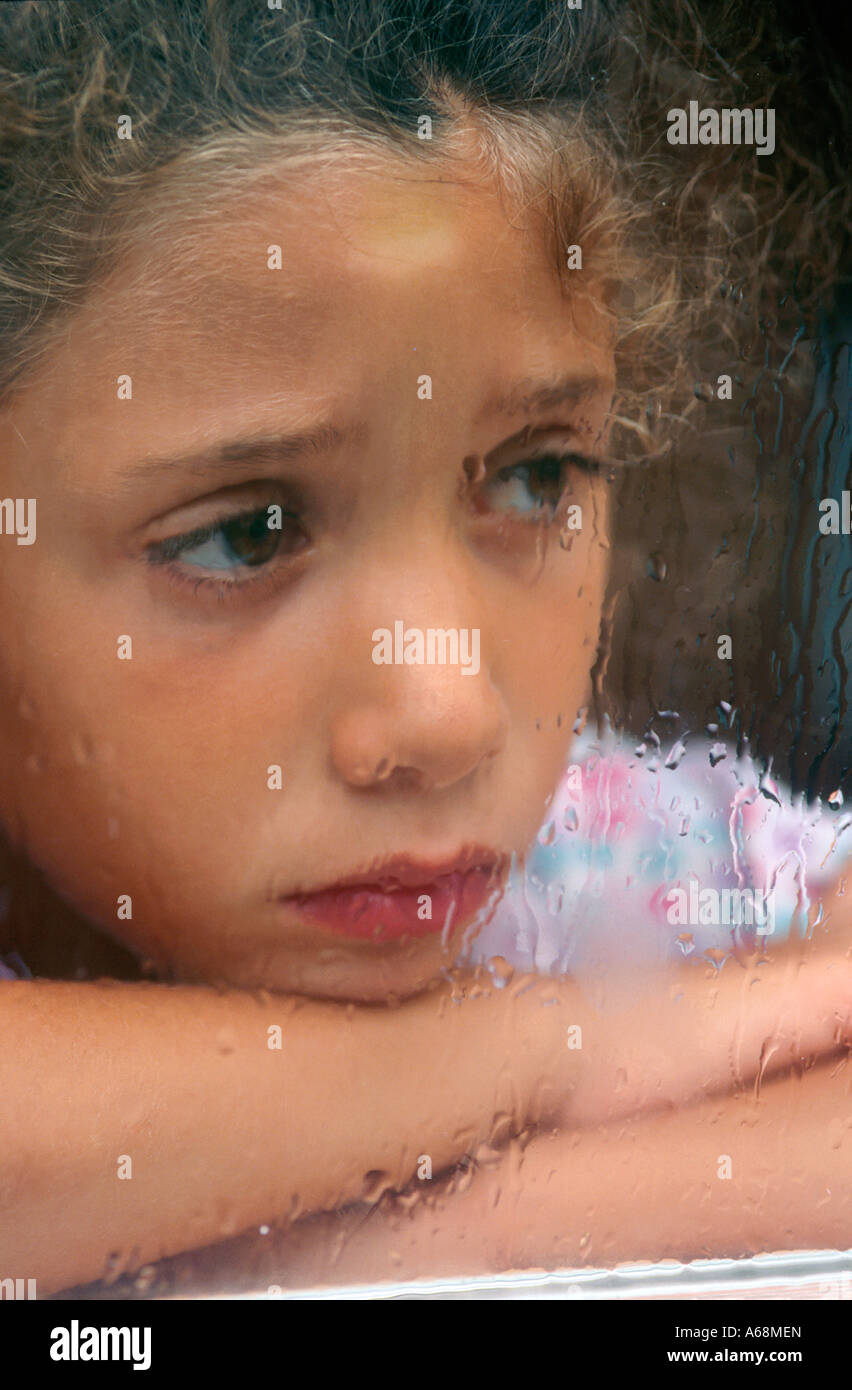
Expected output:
(724, 537)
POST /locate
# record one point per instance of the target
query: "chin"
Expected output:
(375, 975)
(370, 982)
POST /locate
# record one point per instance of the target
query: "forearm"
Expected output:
(695, 1032)
(653, 1187)
(220, 1130)
(224, 1132)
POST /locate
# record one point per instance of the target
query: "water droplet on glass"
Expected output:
(463, 1176)
(82, 749)
(547, 834)
(555, 893)
(703, 391)
(686, 942)
(835, 798)
(376, 1183)
(657, 568)
(835, 1131)
(501, 970)
(145, 1279)
(570, 820)
(717, 753)
(474, 469)
(674, 758)
(112, 1267)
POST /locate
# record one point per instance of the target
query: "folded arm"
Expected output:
(223, 1132)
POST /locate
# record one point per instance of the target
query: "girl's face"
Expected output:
(383, 430)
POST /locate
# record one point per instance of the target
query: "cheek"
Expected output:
(550, 634)
(551, 639)
(119, 771)
(128, 789)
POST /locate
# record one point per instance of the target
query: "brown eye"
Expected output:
(246, 541)
(251, 540)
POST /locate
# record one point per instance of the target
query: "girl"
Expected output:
(328, 333)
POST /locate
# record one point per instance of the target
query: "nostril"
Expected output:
(401, 779)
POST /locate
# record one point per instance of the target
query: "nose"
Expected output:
(416, 724)
(426, 739)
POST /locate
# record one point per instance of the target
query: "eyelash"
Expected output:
(166, 554)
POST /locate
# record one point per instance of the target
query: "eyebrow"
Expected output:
(525, 397)
(253, 451)
(532, 394)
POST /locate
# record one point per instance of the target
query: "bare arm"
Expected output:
(660, 1092)
(697, 1033)
(223, 1132)
(220, 1130)
(652, 1187)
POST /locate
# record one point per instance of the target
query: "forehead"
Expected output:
(303, 254)
(384, 273)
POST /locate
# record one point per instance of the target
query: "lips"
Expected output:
(405, 897)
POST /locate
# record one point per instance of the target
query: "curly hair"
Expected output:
(568, 105)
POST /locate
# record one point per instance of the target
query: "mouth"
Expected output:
(405, 896)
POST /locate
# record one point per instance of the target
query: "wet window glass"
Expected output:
(425, 586)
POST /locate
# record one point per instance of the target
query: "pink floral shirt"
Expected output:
(651, 853)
